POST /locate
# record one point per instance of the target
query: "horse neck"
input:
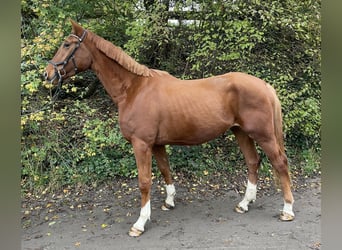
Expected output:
(114, 78)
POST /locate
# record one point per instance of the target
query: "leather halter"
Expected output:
(60, 72)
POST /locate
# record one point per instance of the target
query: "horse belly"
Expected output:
(192, 130)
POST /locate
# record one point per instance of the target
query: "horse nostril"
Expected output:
(45, 75)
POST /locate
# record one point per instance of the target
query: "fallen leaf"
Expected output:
(106, 209)
(52, 223)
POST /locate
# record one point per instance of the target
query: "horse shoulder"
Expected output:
(138, 114)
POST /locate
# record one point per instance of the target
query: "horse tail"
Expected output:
(278, 123)
(278, 129)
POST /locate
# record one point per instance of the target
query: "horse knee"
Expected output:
(253, 164)
(145, 185)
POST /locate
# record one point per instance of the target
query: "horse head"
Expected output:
(71, 57)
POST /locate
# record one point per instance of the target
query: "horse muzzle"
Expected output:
(49, 79)
(54, 75)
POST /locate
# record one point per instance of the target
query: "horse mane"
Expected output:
(160, 72)
(118, 55)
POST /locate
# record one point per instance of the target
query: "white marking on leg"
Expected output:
(145, 214)
(288, 208)
(171, 192)
(250, 195)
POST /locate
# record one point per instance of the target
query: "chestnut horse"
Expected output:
(156, 109)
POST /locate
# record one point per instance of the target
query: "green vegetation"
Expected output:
(76, 139)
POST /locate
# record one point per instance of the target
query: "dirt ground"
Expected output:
(99, 218)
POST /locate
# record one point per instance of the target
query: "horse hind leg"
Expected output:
(252, 159)
(279, 163)
(160, 155)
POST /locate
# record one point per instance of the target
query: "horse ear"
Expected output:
(76, 28)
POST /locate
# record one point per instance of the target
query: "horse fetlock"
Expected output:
(250, 197)
(288, 208)
(251, 190)
(171, 192)
(140, 224)
(145, 214)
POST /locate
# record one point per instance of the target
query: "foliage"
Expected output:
(77, 140)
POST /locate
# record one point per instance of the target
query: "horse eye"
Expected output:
(66, 45)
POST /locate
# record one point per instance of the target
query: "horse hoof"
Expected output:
(240, 210)
(167, 207)
(133, 232)
(286, 217)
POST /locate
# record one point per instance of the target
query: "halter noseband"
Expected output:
(59, 73)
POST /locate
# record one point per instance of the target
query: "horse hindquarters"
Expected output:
(268, 134)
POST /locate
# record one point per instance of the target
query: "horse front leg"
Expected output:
(160, 154)
(143, 157)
